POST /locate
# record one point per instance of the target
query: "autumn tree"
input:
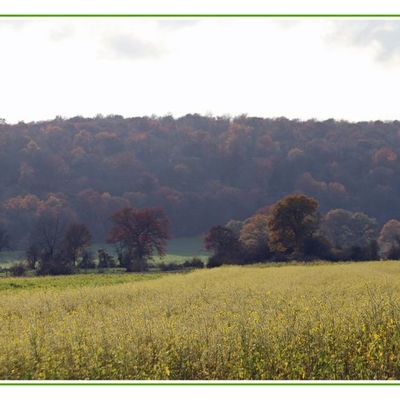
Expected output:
(137, 235)
(77, 239)
(292, 221)
(389, 239)
(254, 237)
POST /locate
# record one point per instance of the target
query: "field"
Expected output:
(327, 321)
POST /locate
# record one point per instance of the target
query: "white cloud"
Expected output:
(383, 36)
(122, 46)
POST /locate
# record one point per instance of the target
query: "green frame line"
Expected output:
(200, 15)
(191, 383)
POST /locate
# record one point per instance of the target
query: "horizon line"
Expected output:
(227, 116)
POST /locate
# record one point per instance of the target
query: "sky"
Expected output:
(310, 68)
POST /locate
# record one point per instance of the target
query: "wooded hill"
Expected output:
(201, 170)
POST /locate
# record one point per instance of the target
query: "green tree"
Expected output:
(345, 229)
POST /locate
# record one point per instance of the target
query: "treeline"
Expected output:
(292, 229)
(60, 245)
(201, 170)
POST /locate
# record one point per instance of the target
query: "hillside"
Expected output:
(201, 170)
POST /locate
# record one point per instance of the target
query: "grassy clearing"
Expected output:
(178, 250)
(333, 321)
(183, 249)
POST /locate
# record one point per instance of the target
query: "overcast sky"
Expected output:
(311, 68)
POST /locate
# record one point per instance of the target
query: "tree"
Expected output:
(364, 228)
(292, 221)
(49, 231)
(46, 243)
(235, 226)
(138, 234)
(318, 247)
(336, 226)
(76, 241)
(33, 254)
(345, 229)
(254, 237)
(389, 239)
(225, 245)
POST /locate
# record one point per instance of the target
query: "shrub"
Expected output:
(105, 260)
(215, 261)
(189, 264)
(169, 266)
(56, 266)
(18, 269)
(193, 263)
(87, 261)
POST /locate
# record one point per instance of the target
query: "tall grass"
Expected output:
(295, 322)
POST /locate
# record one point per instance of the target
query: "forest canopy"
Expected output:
(201, 170)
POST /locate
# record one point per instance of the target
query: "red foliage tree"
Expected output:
(138, 234)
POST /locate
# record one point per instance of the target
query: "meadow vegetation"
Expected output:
(322, 321)
(71, 281)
